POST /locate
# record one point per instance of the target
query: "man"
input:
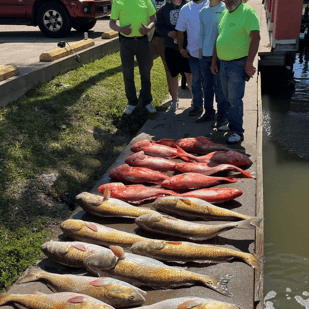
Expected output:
(188, 21)
(236, 47)
(136, 19)
(176, 63)
(209, 19)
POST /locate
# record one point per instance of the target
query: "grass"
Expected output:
(55, 142)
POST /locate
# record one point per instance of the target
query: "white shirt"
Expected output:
(188, 20)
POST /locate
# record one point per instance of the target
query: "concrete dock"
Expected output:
(246, 284)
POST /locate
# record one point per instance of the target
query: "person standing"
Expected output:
(236, 47)
(176, 63)
(209, 19)
(189, 21)
(136, 19)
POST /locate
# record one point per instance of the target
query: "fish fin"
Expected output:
(251, 223)
(92, 226)
(52, 288)
(182, 154)
(189, 304)
(186, 201)
(254, 260)
(98, 282)
(80, 247)
(256, 222)
(77, 299)
(118, 251)
(219, 286)
(107, 194)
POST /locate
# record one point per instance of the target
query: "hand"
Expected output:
(144, 30)
(126, 29)
(200, 54)
(250, 69)
(214, 68)
(172, 34)
(185, 53)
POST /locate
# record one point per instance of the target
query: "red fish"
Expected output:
(225, 157)
(189, 181)
(137, 174)
(137, 194)
(210, 168)
(200, 145)
(139, 159)
(134, 194)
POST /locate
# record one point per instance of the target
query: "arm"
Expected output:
(125, 30)
(152, 22)
(215, 59)
(201, 38)
(180, 39)
(253, 49)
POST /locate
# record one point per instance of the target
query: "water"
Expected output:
(286, 194)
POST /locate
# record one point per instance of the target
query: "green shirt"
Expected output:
(234, 29)
(134, 12)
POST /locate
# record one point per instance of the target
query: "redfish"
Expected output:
(134, 194)
(137, 174)
(194, 208)
(109, 207)
(190, 181)
(116, 293)
(183, 252)
(157, 223)
(199, 145)
(74, 253)
(98, 234)
(191, 302)
(210, 169)
(143, 271)
(139, 159)
(64, 300)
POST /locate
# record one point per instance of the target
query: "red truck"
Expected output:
(55, 18)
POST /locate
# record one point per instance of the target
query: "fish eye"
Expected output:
(132, 297)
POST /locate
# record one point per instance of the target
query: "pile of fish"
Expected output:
(118, 262)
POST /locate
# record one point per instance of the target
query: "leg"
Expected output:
(127, 61)
(189, 82)
(196, 82)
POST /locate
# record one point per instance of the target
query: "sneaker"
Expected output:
(129, 109)
(205, 118)
(196, 111)
(234, 138)
(224, 127)
(150, 108)
(221, 121)
(174, 105)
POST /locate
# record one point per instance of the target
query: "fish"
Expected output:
(63, 300)
(143, 271)
(110, 207)
(98, 234)
(195, 208)
(116, 293)
(183, 252)
(74, 253)
(134, 194)
(133, 174)
(157, 223)
(137, 194)
(199, 145)
(210, 169)
(139, 159)
(190, 181)
(191, 302)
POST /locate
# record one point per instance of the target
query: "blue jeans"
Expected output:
(233, 86)
(140, 48)
(212, 86)
(196, 82)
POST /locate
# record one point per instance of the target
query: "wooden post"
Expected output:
(287, 16)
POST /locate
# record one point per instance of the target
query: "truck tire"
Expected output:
(53, 20)
(84, 25)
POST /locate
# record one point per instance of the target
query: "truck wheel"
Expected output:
(53, 20)
(84, 25)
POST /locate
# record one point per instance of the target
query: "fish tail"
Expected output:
(219, 286)
(254, 260)
(31, 277)
(251, 223)
(183, 155)
(247, 174)
(4, 298)
(232, 179)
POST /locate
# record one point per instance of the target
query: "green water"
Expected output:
(286, 196)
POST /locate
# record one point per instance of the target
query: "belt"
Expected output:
(207, 57)
(236, 59)
(133, 37)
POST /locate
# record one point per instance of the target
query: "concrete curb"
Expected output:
(59, 52)
(7, 71)
(110, 34)
(16, 87)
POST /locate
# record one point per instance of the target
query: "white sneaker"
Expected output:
(150, 108)
(234, 138)
(174, 105)
(225, 127)
(129, 109)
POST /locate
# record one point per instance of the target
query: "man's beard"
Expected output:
(233, 7)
